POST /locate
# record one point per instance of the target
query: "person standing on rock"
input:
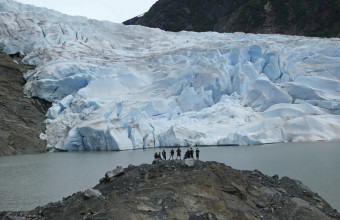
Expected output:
(197, 154)
(164, 154)
(158, 155)
(172, 152)
(178, 153)
(187, 154)
(191, 153)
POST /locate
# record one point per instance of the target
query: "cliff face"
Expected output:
(308, 18)
(187, 190)
(22, 119)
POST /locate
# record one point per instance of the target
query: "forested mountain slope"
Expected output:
(306, 18)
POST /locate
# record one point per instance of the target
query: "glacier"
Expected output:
(116, 87)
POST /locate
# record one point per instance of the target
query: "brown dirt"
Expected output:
(22, 119)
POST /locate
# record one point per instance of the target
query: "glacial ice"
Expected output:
(116, 87)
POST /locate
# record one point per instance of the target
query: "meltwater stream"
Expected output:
(28, 181)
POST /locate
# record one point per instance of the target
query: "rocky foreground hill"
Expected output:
(187, 190)
(319, 18)
(22, 119)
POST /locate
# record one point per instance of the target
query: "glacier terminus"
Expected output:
(116, 87)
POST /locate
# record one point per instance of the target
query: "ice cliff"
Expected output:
(117, 87)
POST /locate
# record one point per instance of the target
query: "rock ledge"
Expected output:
(173, 190)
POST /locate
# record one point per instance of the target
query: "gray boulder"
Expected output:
(113, 173)
(92, 193)
(189, 162)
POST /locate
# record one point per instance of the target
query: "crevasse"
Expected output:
(116, 87)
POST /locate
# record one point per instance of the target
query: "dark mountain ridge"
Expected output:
(319, 18)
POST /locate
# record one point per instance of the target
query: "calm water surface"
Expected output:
(28, 181)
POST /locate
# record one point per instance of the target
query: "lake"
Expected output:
(28, 181)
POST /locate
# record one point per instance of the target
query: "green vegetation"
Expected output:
(310, 17)
(330, 25)
(282, 12)
(251, 14)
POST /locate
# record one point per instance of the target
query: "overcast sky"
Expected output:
(110, 10)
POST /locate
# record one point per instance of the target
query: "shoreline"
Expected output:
(127, 192)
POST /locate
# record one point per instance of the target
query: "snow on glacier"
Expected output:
(116, 87)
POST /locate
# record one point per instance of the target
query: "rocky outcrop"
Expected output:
(22, 119)
(307, 18)
(173, 190)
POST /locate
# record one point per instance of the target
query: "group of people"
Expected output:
(188, 154)
(158, 155)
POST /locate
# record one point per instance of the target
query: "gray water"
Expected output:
(28, 181)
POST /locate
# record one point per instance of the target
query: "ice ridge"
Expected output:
(116, 87)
